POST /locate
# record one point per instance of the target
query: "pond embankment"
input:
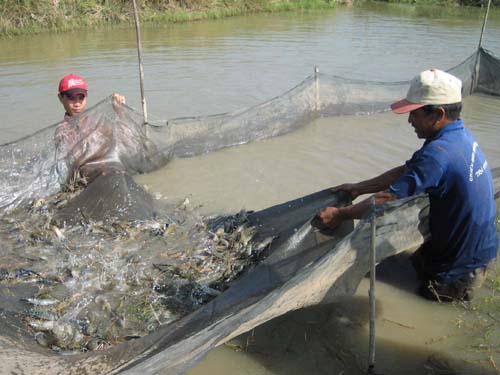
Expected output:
(34, 16)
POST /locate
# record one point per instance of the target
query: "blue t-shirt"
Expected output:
(453, 170)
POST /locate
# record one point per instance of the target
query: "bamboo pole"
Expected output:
(141, 69)
(371, 292)
(316, 89)
(476, 64)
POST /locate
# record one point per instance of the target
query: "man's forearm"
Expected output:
(381, 182)
(355, 211)
(358, 210)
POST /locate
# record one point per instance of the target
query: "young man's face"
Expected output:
(73, 104)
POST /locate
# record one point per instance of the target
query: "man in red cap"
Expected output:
(451, 168)
(73, 94)
(83, 143)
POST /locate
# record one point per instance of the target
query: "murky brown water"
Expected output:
(218, 66)
(325, 153)
(211, 67)
(412, 334)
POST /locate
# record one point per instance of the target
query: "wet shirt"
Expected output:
(453, 170)
(104, 138)
(85, 143)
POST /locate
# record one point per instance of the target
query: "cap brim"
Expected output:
(77, 90)
(404, 106)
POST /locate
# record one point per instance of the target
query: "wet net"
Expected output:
(74, 223)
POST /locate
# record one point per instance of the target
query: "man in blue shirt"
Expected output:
(453, 170)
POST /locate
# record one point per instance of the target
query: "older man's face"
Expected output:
(423, 122)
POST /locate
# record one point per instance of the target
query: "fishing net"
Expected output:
(77, 173)
(113, 137)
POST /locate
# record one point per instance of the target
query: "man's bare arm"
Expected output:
(375, 184)
(332, 217)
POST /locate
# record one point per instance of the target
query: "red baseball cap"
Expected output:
(72, 84)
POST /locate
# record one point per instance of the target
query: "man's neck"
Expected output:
(441, 124)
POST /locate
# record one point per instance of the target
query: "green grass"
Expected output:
(473, 3)
(33, 16)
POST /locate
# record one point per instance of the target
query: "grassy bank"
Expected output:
(472, 3)
(33, 16)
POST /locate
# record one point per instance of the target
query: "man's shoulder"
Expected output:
(448, 145)
(435, 150)
(454, 135)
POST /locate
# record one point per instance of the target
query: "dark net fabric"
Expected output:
(488, 80)
(304, 267)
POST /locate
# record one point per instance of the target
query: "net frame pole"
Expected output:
(371, 292)
(316, 88)
(476, 64)
(139, 55)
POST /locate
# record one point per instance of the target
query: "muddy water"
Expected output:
(326, 152)
(218, 66)
(211, 67)
(414, 336)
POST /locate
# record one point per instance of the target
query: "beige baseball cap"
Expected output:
(432, 86)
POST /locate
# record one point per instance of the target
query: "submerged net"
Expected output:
(91, 262)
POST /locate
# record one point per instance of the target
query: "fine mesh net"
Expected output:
(101, 148)
(112, 137)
